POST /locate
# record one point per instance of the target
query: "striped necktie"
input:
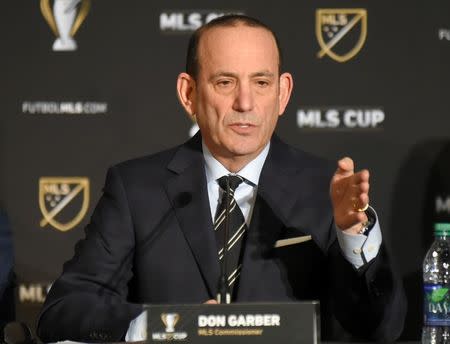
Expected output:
(237, 230)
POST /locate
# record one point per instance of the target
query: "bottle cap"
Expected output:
(442, 229)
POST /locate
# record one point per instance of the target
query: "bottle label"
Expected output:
(436, 305)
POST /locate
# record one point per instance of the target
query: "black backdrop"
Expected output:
(67, 114)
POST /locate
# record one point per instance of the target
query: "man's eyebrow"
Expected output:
(223, 73)
(263, 73)
(234, 75)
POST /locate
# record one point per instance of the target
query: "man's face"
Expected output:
(238, 94)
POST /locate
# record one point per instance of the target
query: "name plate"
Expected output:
(237, 323)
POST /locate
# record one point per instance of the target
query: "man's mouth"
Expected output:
(242, 128)
(242, 125)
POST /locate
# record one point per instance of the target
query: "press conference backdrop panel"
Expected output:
(87, 84)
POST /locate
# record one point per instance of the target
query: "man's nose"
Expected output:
(244, 100)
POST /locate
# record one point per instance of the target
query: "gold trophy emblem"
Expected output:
(65, 21)
(170, 320)
(63, 201)
(334, 26)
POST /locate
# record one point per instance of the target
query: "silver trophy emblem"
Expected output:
(65, 20)
(170, 320)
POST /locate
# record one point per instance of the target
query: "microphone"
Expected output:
(223, 294)
(17, 333)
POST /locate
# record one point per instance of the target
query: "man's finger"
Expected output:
(364, 187)
(346, 164)
(345, 167)
(356, 180)
(361, 176)
(363, 199)
(211, 302)
(357, 203)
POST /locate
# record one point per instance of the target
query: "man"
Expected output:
(154, 236)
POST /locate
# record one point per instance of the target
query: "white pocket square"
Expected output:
(292, 241)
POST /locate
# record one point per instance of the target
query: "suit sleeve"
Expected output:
(88, 302)
(369, 302)
(6, 255)
(6, 273)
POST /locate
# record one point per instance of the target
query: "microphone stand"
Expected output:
(223, 294)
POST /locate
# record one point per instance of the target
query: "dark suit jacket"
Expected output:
(150, 240)
(7, 311)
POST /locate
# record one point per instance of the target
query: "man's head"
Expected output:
(234, 88)
(232, 20)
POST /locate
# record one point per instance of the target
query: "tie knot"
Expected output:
(234, 180)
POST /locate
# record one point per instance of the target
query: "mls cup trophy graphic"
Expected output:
(65, 20)
(170, 320)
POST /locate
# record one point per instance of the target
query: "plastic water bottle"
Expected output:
(436, 283)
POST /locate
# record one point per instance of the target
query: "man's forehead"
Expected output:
(216, 43)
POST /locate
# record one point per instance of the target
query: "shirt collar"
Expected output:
(251, 171)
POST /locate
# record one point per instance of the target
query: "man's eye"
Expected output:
(262, 83)
(224, 83)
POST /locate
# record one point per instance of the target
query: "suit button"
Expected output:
(357, 251)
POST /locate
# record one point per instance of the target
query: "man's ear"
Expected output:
(286, 85)
(186, 92)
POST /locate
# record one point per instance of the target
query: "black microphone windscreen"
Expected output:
(17, 333)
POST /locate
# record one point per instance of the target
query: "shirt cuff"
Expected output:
(137, 331)
(359, 249)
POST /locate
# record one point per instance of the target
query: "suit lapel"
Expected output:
(281, 175)
(188, 194)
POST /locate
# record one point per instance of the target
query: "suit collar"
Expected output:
(190, 153)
